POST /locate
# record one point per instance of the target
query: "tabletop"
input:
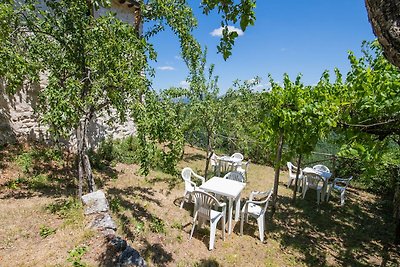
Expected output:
(224, 187)
(230, 159)
(325, 175)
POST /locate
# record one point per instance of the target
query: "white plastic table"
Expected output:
(325, 176)
(228, 188)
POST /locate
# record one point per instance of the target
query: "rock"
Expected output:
(118, 244)
(95, 202)
(103, 221)
(108, 233)
(130, 257)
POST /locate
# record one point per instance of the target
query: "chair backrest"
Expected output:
(313, 180)
(344, 182)
(186, 176)
(237, 156)
(293, 170)
(203, 203)
(246, 166)
(265, 198)
(236, 176)
(321, 168)
(213, 159)
(266, 201)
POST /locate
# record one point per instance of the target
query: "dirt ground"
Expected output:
(149, 218)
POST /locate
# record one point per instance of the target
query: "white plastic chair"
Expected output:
(236, 176)
(340, 185)
(244, 170)
(256, 209)
(190, 186)
(237, 156)
(321, 168)
(313, 181)
(214, 162)
(292, 176)
(203, 210)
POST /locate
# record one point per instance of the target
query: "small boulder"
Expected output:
(103, 221)
(118, 244)
(130, 257)
(95, 202)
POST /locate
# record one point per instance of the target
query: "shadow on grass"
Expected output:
(134, 217)
(44, 171)
(171, 181)
(356, 234)
(208, 263)
(193, 157)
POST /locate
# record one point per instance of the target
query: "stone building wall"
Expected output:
(18, 121)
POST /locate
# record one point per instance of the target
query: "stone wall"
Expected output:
(18, 121)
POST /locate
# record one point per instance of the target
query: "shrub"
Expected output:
(45, 231)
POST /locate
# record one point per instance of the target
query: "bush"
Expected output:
(113, 151)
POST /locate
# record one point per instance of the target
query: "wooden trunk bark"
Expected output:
(209, 152)
(84, 166)
(277, 167)
(384, 16)
(297, 178)
(396, 206)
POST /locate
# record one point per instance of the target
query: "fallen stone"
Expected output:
(130, 257)
(95, 202)
(118, 244)
(103, 221)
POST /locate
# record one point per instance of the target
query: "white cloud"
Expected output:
(178, 57)
(218, 32)
(166, 68)
(184, 84)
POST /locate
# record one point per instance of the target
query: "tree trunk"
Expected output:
(396, 206)
(277, 167)
(296, 179)
(84, 167)
(384, 16)
(209, 152)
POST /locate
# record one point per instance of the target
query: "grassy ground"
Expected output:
(41, 224)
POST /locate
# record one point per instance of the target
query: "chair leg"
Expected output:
(241, 223)
(213, 227)
(194, 225)
(289, 182)
(305, 190)
(183, 200)
(223, 226)
(329, 193)
(318, 196)
(342, 198)
(260, 222)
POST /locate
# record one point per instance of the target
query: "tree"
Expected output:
(384, 18)
(94, 65)
(204, 101)
(314, 114)
(370, 115)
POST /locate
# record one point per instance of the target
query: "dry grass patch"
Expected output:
(149, 218)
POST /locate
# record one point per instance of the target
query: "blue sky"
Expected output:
(289, 36)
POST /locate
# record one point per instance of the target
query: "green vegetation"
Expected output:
(157, 225)
(46, 231)
(68, 209)
(75, 256)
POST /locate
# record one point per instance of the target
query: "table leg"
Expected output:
(230, 208)
(324, 188)
(237, 210)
